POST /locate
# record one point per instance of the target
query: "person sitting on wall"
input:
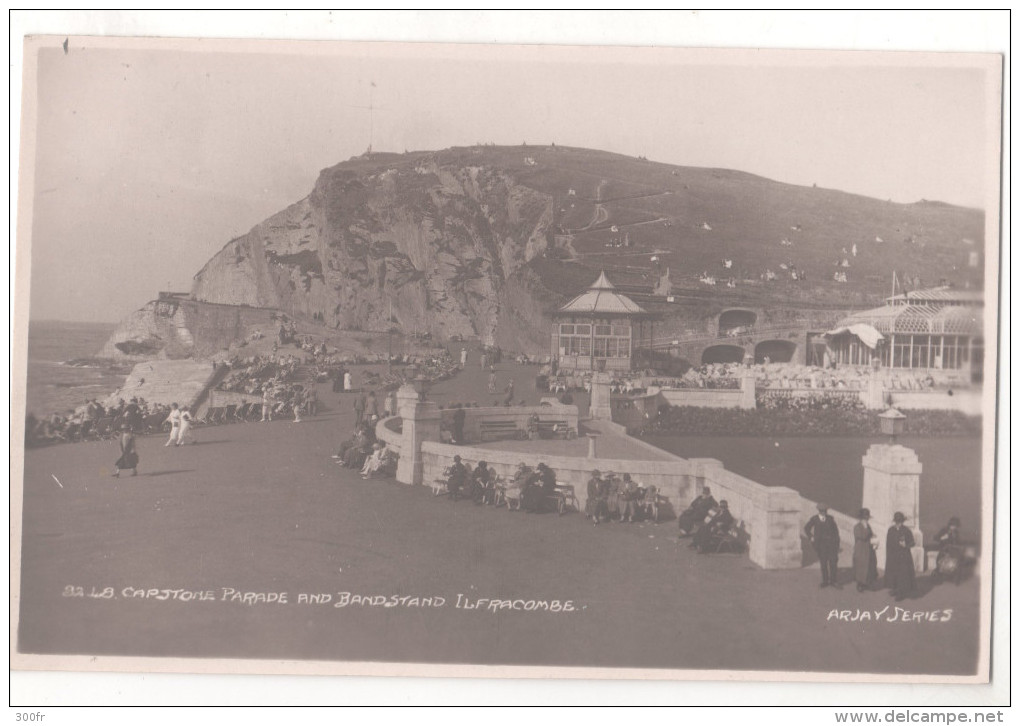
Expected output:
(456, 478)
(483, 481)
(692, 518)
(717, 527)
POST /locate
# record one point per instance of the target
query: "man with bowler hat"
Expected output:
(821, 529)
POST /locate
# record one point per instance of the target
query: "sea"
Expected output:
(63, 367)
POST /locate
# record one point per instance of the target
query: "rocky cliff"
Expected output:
(440, 246)
(484, 241)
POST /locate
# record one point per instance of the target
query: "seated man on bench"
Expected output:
(456, 478)
(718, 527)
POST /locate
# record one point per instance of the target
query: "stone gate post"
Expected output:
(420, 423)
(892, 483)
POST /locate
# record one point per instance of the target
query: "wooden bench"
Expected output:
(563, 497)
(497, 429)
(556, 429)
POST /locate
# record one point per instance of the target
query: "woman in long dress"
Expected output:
(128, 454)
(899, 562)
(865, 561)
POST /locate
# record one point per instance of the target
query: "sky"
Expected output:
(149, 159)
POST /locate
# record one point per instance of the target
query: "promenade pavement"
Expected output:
(211, 534)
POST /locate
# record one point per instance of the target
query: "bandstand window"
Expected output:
(612, 341)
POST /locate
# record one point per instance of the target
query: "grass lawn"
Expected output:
(829, 470)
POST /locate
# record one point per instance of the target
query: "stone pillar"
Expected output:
(747, 389)
(601, 404)
(592, 445)
(775, 538)
(420, 423)
(892, 483)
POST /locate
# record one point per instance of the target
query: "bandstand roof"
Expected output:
(601, 298)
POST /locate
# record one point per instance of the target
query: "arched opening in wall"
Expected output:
(736, 322)
(778, 351)
(722, 354)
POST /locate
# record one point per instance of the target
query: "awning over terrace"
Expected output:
(867, 333)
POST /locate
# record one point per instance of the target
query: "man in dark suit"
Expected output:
(457, 478)
(821, 529)
(693, 517)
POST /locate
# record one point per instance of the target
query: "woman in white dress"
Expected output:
(374, 462)
(175, 426)
(186, 422)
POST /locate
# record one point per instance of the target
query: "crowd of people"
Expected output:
(612, 497)
(92, 420)
(532, 489)
(793, 375)
(709, 524)
(900, 578)
(251, 374)
(709, 375)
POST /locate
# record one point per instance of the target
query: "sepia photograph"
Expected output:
(479, 360)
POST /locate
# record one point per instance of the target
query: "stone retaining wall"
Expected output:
(703, 397)
(391, 438)
(768, 517)
(519, 415)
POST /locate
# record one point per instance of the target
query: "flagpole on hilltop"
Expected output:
(371, 108)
